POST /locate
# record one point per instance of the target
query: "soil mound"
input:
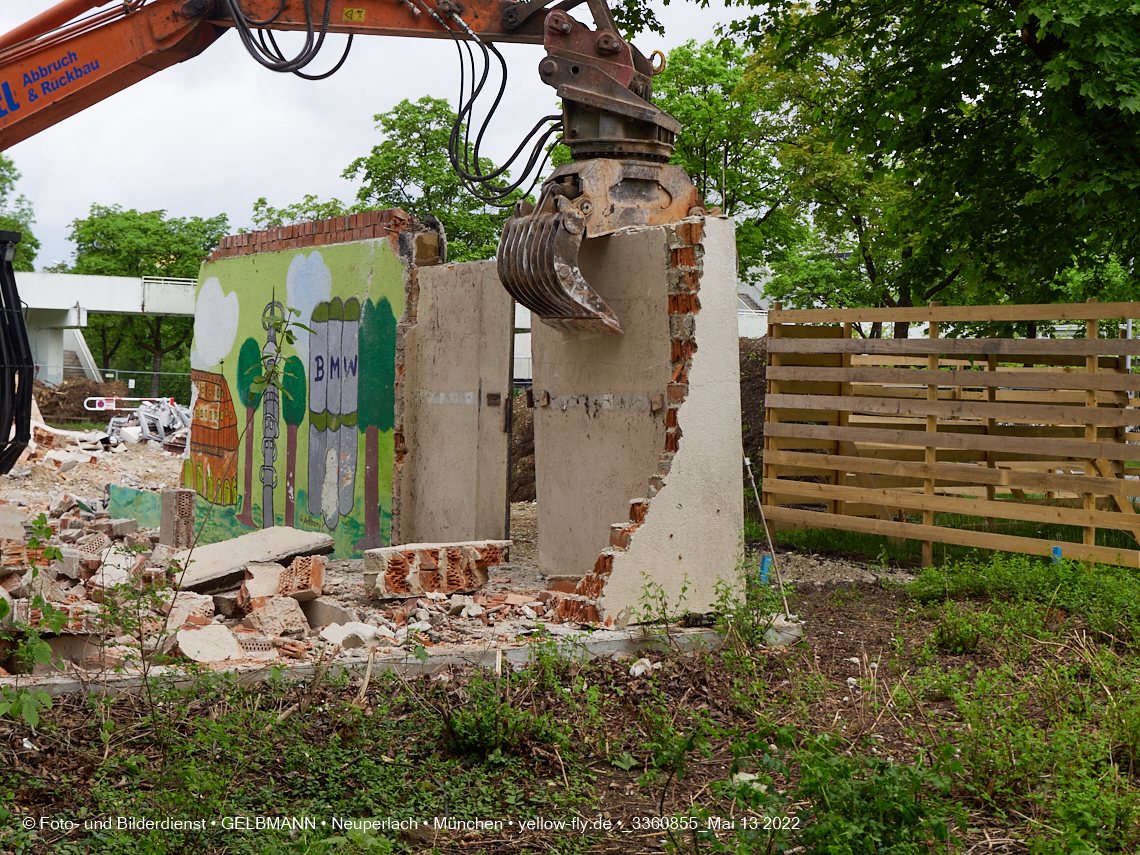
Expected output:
(64, 403)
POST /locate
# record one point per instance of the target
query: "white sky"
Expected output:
(215, 133)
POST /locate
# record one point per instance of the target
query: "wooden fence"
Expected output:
(992, 435)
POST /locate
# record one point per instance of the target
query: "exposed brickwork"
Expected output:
(364, 226)
(302, 580)
(584, 604)
(417, 568)
(400, 447)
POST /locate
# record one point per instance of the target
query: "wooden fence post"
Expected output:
(1092, 362)
(931, 449)
(770, 417)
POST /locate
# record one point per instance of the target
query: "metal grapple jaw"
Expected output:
(538, 253)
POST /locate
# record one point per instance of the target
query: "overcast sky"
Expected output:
(213, 134)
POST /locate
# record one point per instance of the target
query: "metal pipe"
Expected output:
(47, 21)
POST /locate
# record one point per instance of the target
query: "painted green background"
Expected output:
(367, 270)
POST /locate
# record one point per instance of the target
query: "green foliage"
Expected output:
(868, 804)
(1107, 598)
(16, 216)
(745, 621)
(410, 169)
(29, 647)
(110, 241)
(378, 372)
(1004, 136)
(490, 725)
(293, 408)
(958, 630)
(728, 145)
(310, 208)
(249, 372)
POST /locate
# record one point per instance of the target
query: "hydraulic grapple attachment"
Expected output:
(620, 142)
(538, 254)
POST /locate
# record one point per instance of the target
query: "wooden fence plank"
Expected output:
(930, 503)
(795, 517)
(977, 410)
(960, 314)
(1053, 380)
(1019, 347)
(959, 473)
(1021, 445)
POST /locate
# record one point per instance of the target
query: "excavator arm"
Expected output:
(82, 51)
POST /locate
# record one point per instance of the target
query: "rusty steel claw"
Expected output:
(538, 265)
(538, 253)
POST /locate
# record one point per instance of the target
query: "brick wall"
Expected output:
(363, 226)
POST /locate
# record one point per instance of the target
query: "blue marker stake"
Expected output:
(765, 568)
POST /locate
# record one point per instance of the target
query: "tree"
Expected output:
(16, 216)
(728, 144)
(310, 208)
(113, 242)
(1014, 124)
(249, 371)
(293, 411)
(377, 408)
(410, 169)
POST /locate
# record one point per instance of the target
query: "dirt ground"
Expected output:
(145, 465)
(64, 403)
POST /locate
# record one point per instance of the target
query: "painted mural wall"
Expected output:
(316, 454)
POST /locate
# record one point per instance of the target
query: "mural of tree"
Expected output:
(293, 411)
(376, 409)
(248, 370)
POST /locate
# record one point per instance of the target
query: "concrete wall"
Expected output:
(691, 529)
(598, 439)
(637, 437)
(317, 456)
(455, 388)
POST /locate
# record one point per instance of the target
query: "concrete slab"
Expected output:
(222, 565)
(212, 643)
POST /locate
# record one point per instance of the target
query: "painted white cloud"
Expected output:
(308, 282)
(215, 325)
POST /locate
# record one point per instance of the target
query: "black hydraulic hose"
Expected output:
(273, 58)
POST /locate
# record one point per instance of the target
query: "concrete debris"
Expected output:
(783, 630)
(321, 612)
(213, 643)
(183, 605)
(278, 616)
(262, 580)
(354, 634)
(219, 566)
(413, 569)
(12, 523)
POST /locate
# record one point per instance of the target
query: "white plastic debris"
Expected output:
(640, 668)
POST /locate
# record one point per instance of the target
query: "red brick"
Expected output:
(671, 417)
(683, 257)
(637, 512)
(620, 536)
(673, 439)
(676, 392)
(604, 565)
(591, 587)
(563, 587)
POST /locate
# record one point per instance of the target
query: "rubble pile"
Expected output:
(121, 597)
